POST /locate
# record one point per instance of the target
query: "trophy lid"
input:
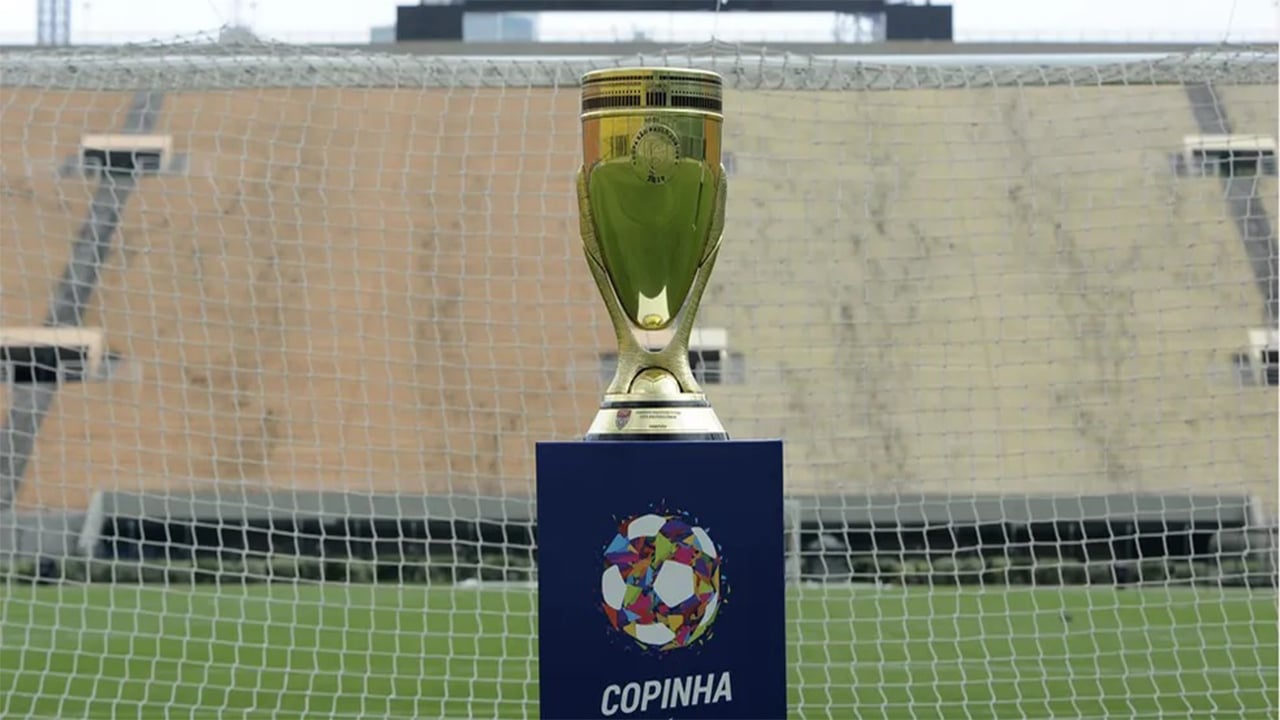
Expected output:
(652, 88)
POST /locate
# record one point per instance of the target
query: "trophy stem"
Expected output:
(653, 395)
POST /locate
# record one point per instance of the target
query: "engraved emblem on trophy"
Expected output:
(651, 199)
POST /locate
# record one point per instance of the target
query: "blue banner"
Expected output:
(661, 580)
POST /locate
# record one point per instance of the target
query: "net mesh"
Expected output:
(1011, 319)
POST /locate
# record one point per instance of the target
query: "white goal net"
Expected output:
(281, 327)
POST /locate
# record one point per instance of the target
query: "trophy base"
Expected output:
(624, 420)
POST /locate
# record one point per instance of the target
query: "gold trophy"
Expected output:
(651, 196)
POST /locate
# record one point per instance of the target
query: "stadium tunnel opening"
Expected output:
(34, 364)
(141, 162)
(1271, 366)
(1234, 163)
(107, 155)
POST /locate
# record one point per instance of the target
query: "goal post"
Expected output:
(1013, 316)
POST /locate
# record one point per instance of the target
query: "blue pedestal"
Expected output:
(661, 580)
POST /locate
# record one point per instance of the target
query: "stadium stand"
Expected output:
(383, 291)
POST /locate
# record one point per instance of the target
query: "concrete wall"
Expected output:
(49, 534)
(382, 291)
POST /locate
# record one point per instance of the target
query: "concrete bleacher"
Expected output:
(346, 290)
(960, 291)
(997, 290)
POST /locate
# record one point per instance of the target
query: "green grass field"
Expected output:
(286, 651)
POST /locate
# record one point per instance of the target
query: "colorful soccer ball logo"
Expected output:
(661, 583)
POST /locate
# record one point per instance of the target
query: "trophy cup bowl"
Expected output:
(651, 199)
